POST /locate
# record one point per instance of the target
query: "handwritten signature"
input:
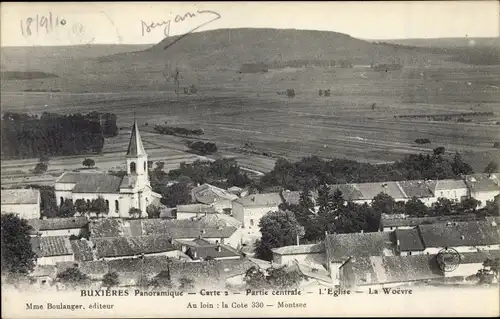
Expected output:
(148, 27)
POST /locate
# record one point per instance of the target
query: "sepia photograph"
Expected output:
(250, 159)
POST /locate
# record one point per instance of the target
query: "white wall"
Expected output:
(60, 232)
(453, 194)
(464, 270)
(26, 211)
(188, 215)
(483, 197)
(460, 249)
(54, 259)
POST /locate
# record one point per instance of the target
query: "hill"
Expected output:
(447, 42)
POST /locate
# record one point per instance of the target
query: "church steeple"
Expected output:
(135, 147)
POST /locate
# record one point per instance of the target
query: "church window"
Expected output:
(117, 207)
(132, 167)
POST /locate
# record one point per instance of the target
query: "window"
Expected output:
(62, 201)
(117, 207)
(145, 166)
(132, 167)
(251, 222)
(409, 253)
(107, 205)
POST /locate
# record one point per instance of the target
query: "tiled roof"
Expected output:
(149, 265)
(479, 257)
(483, 183)
(82, 250)
(20, 196)
(58, 223)
(201, 272)
(300, 249)
(96, 268)
(185, 228)
(195, 208)
(87, 182)
(446, 184)
(220, 220)
(416, 188)
(132, 246)
(50, 246)
(349, 191)
(453, 234)
(394, 269)
(415, 221)
(409, 240)
(215, 251)
(135, 147)
(260, 200)
(128, 181)
(208, 194)
(339, 247)
(233, 267)
(293, 197)
(370, 190)
(107, 227)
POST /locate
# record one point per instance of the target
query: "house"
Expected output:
(24, 203)
(341, 247)
(52, 249)
(419, 189)
(201, 249)
(388, 271)
(313, 254)
(316, 276)
(238, 191)
(388, 223)
(361, 193)
(471, 263)
(218, 220)
(193, 211)
(58, 226)
(452, 189)
(469, 236)
(218, 198)
(483, 187)
(131, 247)
(249, 210)
(293, 198)
(120, 193)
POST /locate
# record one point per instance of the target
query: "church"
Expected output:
(120, 193)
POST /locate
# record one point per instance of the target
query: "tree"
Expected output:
(177, 194)
(81, 206)
(327, 92)
(290, 93)
(162, 280)
(40, 168)
(110, 280)
(186, 284)
(17, 255)
(459, 167)
(489, 271)
(67, 209)
(278, 229)
(383, 204)
(153, 211)
(492, 167)
(492, 208)
(99, 206)
(255, 278)
(44, 158)
(73, 277)
(320, 92)
(279, 278)
(88, 162)
(438, 150)
(467, 206)
(442, 207)
(134, 212)
(414, 207)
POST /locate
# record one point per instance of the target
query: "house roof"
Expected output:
(50, 246)
(91, 182)
(135, 147)
(149, 265)
(209, 194)
(416, 188)
(57, 223)
(131, 246)
(82, 250)
(215, 251)
(218, 220)
(20, 196)
(409, 240)
(415, 221)
(339, 247)
(96, 268)
(482, 183)
(479, 257)
(185, 228)
(300, 249)
(195, 208)
(394, 269)
(453, 234)
(446, 184)
(106, 227)
(370, 190)
(293, 197)
(201, 272)
(233, 267)
(260, 200)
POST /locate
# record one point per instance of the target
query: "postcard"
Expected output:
(250, 159)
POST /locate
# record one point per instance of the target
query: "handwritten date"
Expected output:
(36, 24)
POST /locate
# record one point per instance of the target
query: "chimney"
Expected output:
(219, 248)
(195, 254)
(362, 231)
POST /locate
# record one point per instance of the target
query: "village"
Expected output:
(210, 242)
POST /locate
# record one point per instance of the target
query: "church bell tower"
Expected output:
(137, 159)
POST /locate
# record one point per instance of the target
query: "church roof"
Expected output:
(91, 182)
(135, 147)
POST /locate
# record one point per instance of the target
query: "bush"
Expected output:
(203, 148)
(40, 168)
(88, 162)
(496, 145)
(422, 141)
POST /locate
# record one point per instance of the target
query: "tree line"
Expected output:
(313, 171)
(31, 136)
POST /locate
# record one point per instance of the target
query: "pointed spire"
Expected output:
(135, 147)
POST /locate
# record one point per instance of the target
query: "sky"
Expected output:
(24, 24)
